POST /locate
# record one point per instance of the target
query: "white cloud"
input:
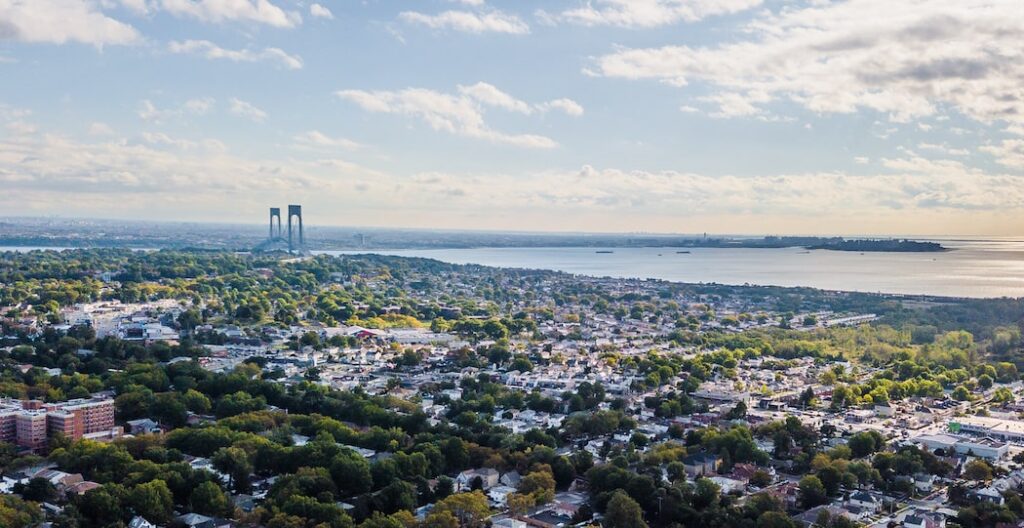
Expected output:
(1008, 152)
(199, 106)
(320, 11)
(646, 13)
(247, 110)
(917, 194)
(212, 51)
(100, 129)
(139, 7)
(906, 59)
(160, 176)
(21, 128)
(915, 185)
(921, 165)
(150, 112)
(59, 165)
(489, 94)
(944, 149)
(469, 22)
(732, 104)
(44, 171)
(317, 139)
(62, 21)
(568, 106)
(159, 138)
(461, 114)
(219, 11)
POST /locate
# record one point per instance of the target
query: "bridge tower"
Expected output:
(295, 211)
(275, 212)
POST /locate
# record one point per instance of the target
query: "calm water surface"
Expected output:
(973, 268)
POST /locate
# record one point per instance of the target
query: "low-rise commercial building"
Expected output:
(988, 448)
(1002, 429)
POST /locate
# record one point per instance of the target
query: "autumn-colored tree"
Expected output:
(469, 509)
(518, 503)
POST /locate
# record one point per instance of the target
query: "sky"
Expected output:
(882, 117)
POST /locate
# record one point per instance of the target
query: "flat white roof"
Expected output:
(997, 425)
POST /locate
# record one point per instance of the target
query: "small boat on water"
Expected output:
(682, 252)
(604, 251)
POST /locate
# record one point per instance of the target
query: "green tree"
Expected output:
(774, 519)
(351, 473)
(16, 512)
(522, 364)
(209, 499)
(396, 520)
(443, 519)
(189, 320)
(760, 478)
(811, 492)
(1003, 395)
(539, 484)
(37, 490)
(807, 398)
(169, 410)
(102, 506)
(234, 462)
(739, 412)
(623, 512)
(676, 470)
(238, 403)
(196, 401)
(495, 330)
(409, 358)
(961, 393)
(978, 470)
(705, 493)
(865, 443)
(153, 501)
(396, 496)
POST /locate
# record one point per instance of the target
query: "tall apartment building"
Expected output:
(31, 423)
(31, 429)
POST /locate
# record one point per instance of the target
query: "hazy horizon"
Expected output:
(315, 227)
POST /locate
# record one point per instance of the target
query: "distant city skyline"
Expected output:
(857, 117)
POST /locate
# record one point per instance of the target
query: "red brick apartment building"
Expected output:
(30, 423)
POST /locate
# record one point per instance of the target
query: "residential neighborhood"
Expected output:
(565, 396)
